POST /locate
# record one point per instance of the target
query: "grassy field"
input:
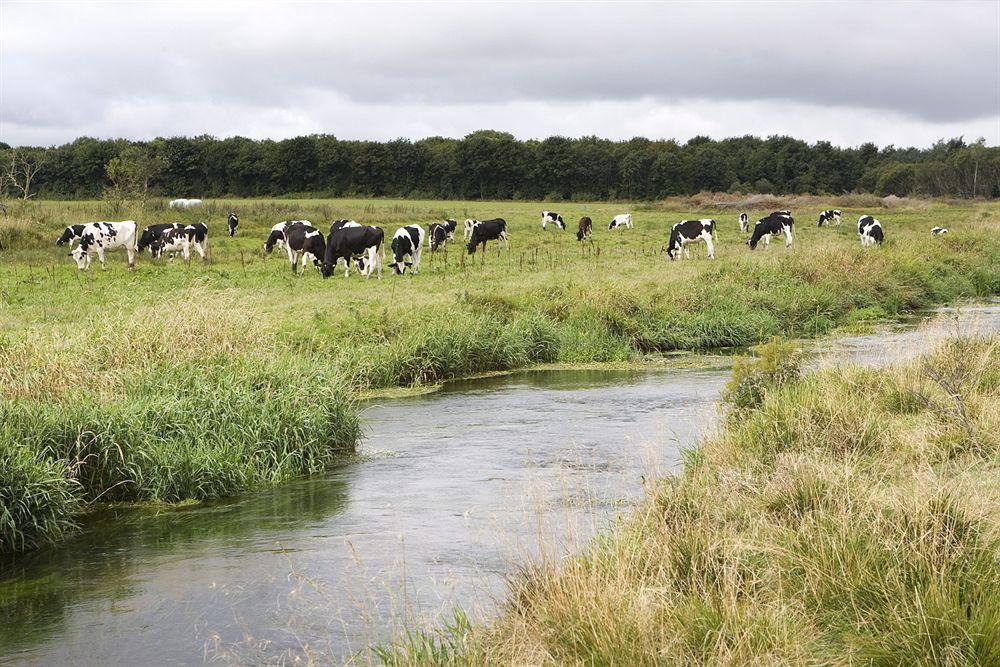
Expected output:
(196, 381)
(849, 516)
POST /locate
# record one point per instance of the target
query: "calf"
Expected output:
(938, 231)
(439, 233)
(585, 229)
(765, 228)
(277, 236)
(151, 233)
(305, 240)
(744, 222)
(71, 234)
(172, 241)
(469, 224)
(870, 231)
(98, 237)
(552, 218)
(407, 242)
(691, 231)
(621, 220)
(349, 242)
(234, 222)
(489, 230)
(830, 216)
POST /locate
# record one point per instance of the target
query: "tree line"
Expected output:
(492, 165)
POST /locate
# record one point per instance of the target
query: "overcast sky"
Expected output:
(904, 73)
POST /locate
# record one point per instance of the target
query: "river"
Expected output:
(452, 490)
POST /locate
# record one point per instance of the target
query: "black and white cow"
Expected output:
(198, 237)
(99, 237)
(70, 235)
(305, 241)
(469, 224)
(489, 230)
(621, 220)
(691, 231)
(276, 239)
(172, 241)
(938, 231)
(585, 228)
(234, 222)
(772, 225)
(744, 222)
(439, 233)
(350, 242)
(830, 216)
(870, 231)
(151, 233)
(552, 218)
(408, 241)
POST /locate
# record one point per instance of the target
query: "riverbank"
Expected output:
(192, 382)
(844, 515)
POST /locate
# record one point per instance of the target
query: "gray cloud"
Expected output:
(144, 69)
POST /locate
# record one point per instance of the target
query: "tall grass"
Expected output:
(848, 516)
(205, 379)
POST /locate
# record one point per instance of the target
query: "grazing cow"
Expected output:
(234, 222)
(765, 228)
(71, 234)
(938, 231)
(585, 229)
(691, 231)
(744, 222)
(489, 230)
(829, 216)
(304, 240)
(348, 243)
(198, 236)
(99, 237)
(469, 224)
(172, 241)
(621, 220)
(185, 203)
(151, 233)
(408, 241)
(277, 236)
(870, 231)
(439, 233)
(552, 218)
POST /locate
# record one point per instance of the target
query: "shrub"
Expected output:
(775, 364)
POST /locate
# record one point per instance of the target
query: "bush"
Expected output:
(775, 364)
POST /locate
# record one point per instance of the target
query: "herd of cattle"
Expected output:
(362, 245)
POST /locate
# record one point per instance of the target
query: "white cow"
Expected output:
(185, 203)
(99, 237)
(621, 220)
(469, 224)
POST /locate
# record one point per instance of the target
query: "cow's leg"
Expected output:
(416, 260)
(100, 256)
(199, 248)
(305, 257)
(711, 247)
(131, 257)
(291, 258)
(788, 237)
(767, 241)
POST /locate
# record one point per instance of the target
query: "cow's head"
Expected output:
(79, 254)
(471, 247)
(156, 247)
(277, 238)
(66, 237)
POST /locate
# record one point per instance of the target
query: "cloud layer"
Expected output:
(903, 73)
